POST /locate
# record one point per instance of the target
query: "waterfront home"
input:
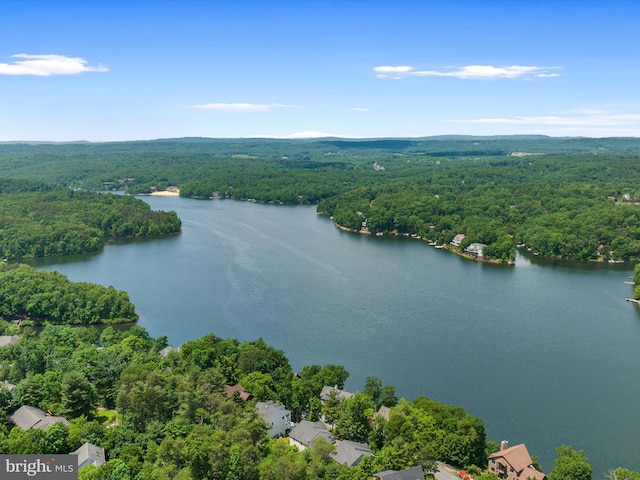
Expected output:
(513, 463)
(327, 391)
(384, 412)
(27, 417)
(351, 453)
(303, 435)
(457, 240)
(276, 416)
(475, 249)
(165, 351)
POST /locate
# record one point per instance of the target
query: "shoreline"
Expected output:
(366, 231)
(159, 193)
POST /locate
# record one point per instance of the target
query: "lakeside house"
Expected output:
(457, 240)
(277, 416)
(513, 463)
(27, 417)
(475, 249)
(384, 412)
(165, 351)
(327, 391)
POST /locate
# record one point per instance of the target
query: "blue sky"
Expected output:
(127, 70)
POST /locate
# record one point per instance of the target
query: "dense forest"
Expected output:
(37, 297)
(567, 198)
(39, 220)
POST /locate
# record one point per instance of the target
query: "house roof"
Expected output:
(165, 351)
(306, 432)
(383, 412)
(530, 472)
(475, 248)
(414, 473)
(517, 457)
(269, 409)
(244, 395)
(27, 417)
(326, 391)
(350, 453)
(9, 386)
(8, 340)
(457, 240)
(89, 454)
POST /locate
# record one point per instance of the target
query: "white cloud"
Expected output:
(358, 109)
(599, 119)
(474, 72)
(47, 65)
(239, 107)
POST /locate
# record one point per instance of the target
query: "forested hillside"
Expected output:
(569, 198)
(28, 295)
(37, 220)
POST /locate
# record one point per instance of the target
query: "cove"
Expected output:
(545, 353)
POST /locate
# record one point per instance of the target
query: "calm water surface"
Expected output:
(545, 353)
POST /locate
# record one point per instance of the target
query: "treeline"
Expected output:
(174, 161)
(498, 191)
(573, 208)
(37, 221)
(29, 295)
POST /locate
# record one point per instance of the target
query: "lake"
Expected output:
(546, 353)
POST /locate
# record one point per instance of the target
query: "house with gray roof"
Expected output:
(89, 454)
(27, 417)
(8, 340)
(306, 432)
(326, 392)
(414, 473)
(351, 453)
(9, 386)
(276, 416)
(475, 249)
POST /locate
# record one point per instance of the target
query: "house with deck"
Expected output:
(277, 417)
(513, 463)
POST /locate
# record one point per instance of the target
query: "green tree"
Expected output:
(78, 396)
(570, 465)
(283, 463)
(353, 418)
(623, 474)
